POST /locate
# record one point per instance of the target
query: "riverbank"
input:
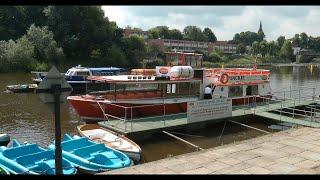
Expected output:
(293, 151)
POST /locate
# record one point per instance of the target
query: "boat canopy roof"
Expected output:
(106, 69)
(125, 80)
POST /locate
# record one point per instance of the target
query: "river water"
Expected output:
(25, 117)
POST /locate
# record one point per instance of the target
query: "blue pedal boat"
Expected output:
(91, 157)
(30, 158)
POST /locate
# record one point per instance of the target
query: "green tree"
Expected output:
(241, 48)
(153, 34)
(237, 38)
(286, 51)
(193, 33)
(175, 34)
(304, 40)
(209, 35)
(281, 40)
(135, 50)
(45, 47)
(214, 57)
(255, 48)
(162, 32)
(81, 29)
(296, 40)
(12, 22)
(17, 56)
(247, 38)
(263, 48)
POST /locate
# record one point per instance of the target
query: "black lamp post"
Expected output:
(53, 90)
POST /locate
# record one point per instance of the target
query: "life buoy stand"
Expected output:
(224, 78)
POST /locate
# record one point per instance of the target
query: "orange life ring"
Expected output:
(224, 78)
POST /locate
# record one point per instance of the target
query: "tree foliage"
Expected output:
(210, 37)
(286, 51)
(193, 33)
(247, 38)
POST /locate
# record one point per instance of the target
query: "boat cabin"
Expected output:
(139, 87)
(237, 82)
(79, 73)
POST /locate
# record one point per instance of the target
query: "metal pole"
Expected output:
(131, 119)
(299, 96)
(313, 96)
(249, 127)
(180, 139)
(125, 118)
(58, 152)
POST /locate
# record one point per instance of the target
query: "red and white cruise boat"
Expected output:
(169, 91)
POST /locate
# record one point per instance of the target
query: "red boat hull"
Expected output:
(89, 109)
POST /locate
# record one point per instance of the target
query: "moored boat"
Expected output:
(91, 157)
(21, 88)
(169, 91)
(77, 76)
(111, 139)
(31, 159)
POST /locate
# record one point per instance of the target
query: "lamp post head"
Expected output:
(54, 82)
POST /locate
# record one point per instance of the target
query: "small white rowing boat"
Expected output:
(111, 139)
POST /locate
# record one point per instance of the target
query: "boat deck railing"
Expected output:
(293, 103)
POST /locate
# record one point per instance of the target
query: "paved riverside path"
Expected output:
(294, 151)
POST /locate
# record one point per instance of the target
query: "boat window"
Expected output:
(221, 89)
(235, 91)
(168, 88)
(83, 73)
(252, 90)
(173, 88)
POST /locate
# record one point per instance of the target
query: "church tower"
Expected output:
(260, 32)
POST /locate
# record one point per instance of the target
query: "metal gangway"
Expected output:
(296, 105)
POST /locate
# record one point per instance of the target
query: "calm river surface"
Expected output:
(26, 118)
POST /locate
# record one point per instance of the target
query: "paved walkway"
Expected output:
(295, 151)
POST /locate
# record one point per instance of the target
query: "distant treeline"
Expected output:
(35, 37)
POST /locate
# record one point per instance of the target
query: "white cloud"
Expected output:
(224, 20)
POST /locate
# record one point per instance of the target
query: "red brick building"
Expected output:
(191, 46)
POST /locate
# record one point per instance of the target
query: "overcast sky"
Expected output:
(225, 21)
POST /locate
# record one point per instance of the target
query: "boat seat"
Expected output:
(23, 150)
(31, 159)
(74, 144)
(94, 134)
(88, 150)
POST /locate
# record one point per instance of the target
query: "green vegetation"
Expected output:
(35, 37)
(191, 33)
